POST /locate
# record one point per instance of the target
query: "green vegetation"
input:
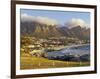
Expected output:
(31, 62)
(33, 52)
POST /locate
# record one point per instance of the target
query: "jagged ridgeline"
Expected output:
(40, 30)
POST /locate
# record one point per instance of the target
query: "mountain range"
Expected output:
(40, 30)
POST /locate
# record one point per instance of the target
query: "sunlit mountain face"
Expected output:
(43, 27)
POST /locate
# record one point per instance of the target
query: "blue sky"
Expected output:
(61, 16)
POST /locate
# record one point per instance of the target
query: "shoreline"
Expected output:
(70, 46)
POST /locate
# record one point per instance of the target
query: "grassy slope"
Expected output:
(29, 62)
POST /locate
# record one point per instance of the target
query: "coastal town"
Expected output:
(38, 46)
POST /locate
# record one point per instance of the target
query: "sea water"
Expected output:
(75, 51)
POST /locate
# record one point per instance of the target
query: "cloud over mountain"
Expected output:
(76, 22)
(40, 19)
(25, 17)
(44, 27)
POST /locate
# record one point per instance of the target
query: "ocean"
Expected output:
(76, 51)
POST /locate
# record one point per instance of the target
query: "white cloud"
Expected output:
(26, 17)
(77, 22)
(40, 19)
(46, 20)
